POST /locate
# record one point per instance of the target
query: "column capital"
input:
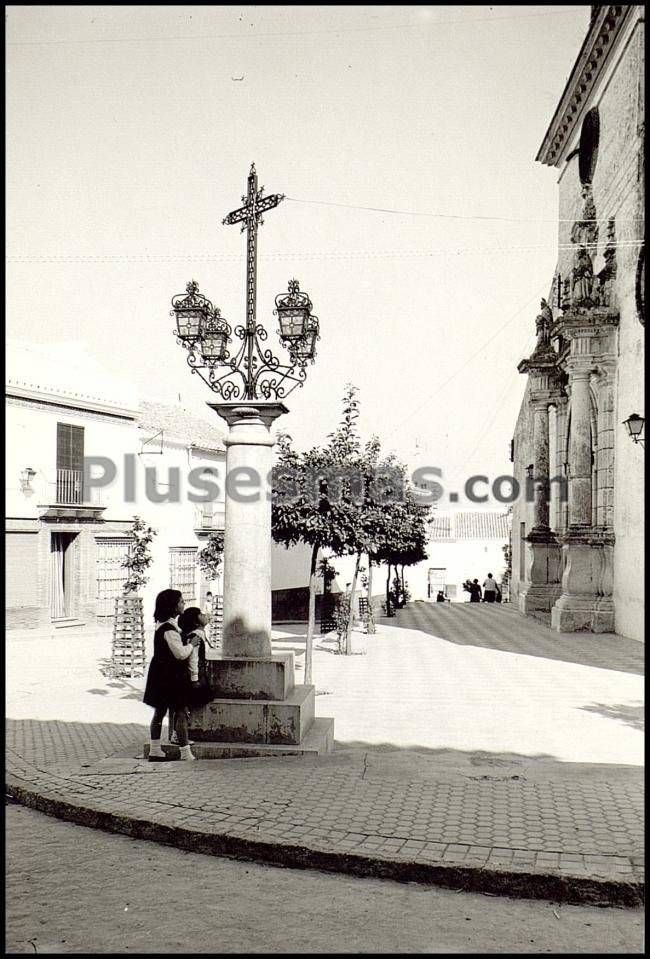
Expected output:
(579, 367)
(249, 411)
(540, 399)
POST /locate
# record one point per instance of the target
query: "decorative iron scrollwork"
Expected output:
(253, 372)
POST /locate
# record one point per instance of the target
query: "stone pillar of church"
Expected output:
(542, 574)
(584, 563)
(560, 492)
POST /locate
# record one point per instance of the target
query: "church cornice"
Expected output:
(603, 31)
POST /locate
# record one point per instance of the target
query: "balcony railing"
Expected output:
(69, 487)
(209, 518)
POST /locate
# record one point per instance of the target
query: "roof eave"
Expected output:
(593, 54)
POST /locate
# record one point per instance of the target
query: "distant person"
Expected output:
(209, 598)
(490, 589)
(440, 598)
(499, 597)
(474, 591)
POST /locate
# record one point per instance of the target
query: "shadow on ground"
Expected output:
(503, 628)
(633, 716)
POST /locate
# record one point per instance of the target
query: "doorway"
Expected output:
(61, 575)
(436, 582)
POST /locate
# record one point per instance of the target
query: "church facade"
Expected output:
(577, 542)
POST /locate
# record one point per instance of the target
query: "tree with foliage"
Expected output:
(315, 500)
(211, 556)
(139, 557)
(405, 534)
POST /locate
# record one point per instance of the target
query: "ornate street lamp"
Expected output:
(303, 349)
(191, 312)
(215, 338)
(253, 372)
(293, 310)
(634, 425)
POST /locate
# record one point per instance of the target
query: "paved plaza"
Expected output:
(474, 749)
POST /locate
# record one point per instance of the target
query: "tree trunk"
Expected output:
(388, 613)
(311, 618)
(403, 588)
(348, 632)
(371, 618)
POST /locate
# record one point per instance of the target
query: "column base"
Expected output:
(578, 614)
(543, 586)
(538, 598)
(586, 604)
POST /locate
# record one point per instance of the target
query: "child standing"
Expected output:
(192, 623)
(168, 684)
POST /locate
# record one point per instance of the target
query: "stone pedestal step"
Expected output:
(265, 679)
(319, 740)
(276, 722)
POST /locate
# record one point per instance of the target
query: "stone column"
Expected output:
(580, 450)
(560, 460)
(585, 567)
(247, 536)
(541, 463)
(605, 461)
(542, 580)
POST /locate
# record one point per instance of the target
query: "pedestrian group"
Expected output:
(489, 594)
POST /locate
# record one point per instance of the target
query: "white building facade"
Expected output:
(66, 539)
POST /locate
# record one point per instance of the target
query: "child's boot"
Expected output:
(156, 750)
(186, 753)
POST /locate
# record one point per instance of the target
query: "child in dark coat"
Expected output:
(168, 686)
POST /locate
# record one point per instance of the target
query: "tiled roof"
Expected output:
(177, 424)
(441, 527)
(470, 525)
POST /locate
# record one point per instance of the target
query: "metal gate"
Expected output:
(111, 575)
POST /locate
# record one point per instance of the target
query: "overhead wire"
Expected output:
(302, 255)
(469, 359)
(497, 407)
(456, 216)
(336, 31)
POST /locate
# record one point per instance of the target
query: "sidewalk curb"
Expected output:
(481, 879)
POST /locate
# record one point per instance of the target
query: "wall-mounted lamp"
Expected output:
(635, 424)
(26, 477)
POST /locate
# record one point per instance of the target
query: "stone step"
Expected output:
(318, 740)
(276, 722)
(238, 678)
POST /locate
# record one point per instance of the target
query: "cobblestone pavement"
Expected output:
(244, 907)
(489, 821)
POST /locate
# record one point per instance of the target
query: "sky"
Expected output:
(416, 217)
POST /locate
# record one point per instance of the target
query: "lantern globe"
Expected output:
(293, 310)
(191, 312)
(634, 424)
(215, 338)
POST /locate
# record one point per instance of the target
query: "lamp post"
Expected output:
(252, 382)
(634, 425)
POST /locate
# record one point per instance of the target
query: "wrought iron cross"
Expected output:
(250, 215)
(251, 372)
